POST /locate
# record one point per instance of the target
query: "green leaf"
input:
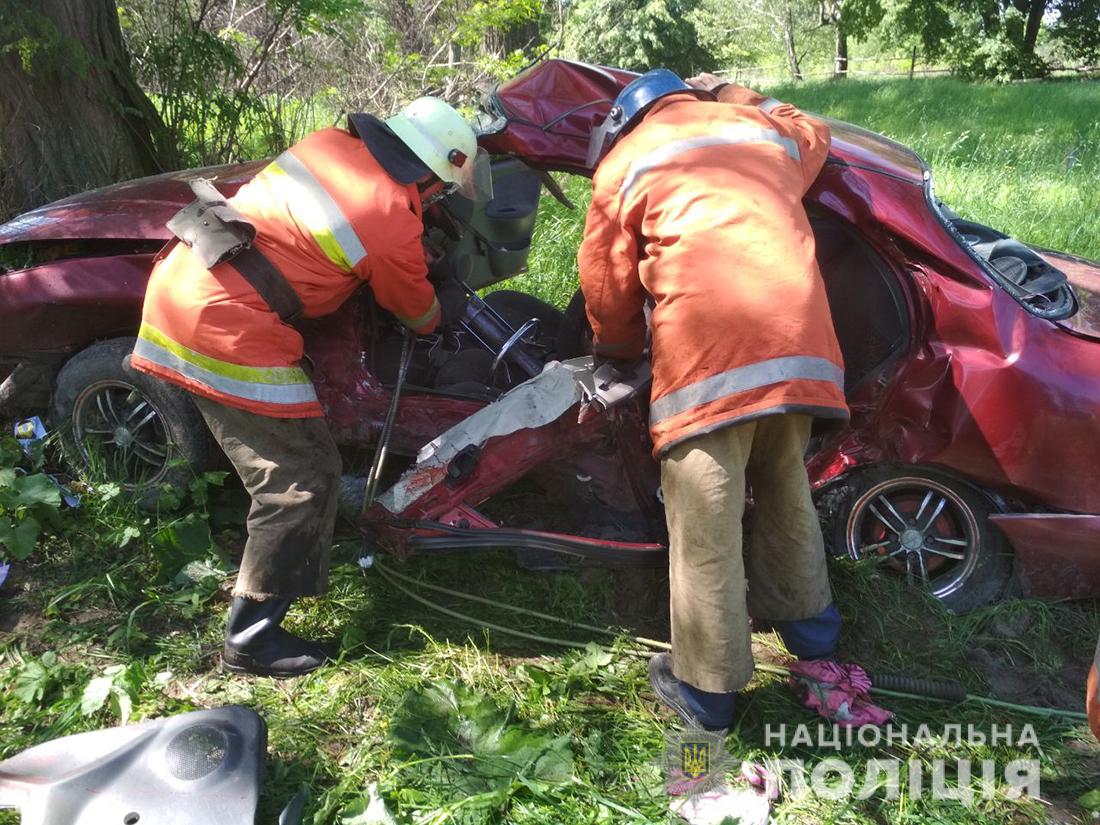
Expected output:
(587, 664)
(369, 809)
(184, 540)
(20, 538)
(494, 752)
(31, 683)
(1090, 801)
(108, 490)
(121, 704)
(37, 490)
(128, 534)
(95, 695)
(200, 572)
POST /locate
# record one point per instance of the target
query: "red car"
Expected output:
(971, 462)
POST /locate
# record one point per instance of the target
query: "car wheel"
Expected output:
(123, 425)
(929, 527)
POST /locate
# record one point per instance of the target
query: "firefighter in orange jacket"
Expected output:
(338, 209)
(697, 212)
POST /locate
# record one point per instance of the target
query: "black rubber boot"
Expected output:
(709, 711)
(255, 643)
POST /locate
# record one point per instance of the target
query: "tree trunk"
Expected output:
(788, 39)
(501, 42)
(1036, 9)
(840, 62)
(71, 115)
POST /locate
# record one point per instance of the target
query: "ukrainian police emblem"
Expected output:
(695, 761)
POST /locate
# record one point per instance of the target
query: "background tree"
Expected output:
(639, 34)
(71, 115)
(1078, 29)
(849, 18)
(753, 32)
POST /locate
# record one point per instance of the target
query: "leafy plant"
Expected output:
(117, 689)
(28, 503)
(35, 678)
(449, 729)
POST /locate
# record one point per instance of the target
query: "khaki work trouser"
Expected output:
(291, 469)
(715, 582)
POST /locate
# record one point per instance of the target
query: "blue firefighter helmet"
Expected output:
(632, 103)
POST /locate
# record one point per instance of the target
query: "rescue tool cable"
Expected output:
(936, 691)
(387, 426)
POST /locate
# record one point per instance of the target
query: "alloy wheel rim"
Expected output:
(918, 527)
(119, 427)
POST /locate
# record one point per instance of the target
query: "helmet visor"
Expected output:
(475, 177)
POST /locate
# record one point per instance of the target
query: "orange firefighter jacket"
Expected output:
(329, 218)
(699, 210)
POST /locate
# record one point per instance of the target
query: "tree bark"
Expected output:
(71, 114)
(840, 62)
(1036, 9)
(788, 39)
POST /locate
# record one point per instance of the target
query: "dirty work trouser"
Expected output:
(291, 469)
(715, 582)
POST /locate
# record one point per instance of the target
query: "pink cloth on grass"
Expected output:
(838, 692)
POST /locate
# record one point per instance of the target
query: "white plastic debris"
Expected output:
(742, 805)
(366, 562)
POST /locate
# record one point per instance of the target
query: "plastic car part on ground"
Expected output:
(724, 804)
(839, 692)
(190, 769)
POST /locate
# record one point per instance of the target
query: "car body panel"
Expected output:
(136, 209)
(64, 304)
(1055, 553)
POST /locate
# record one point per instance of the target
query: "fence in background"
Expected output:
(872, 68)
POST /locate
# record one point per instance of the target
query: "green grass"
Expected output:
(84, 605)
(1023, 158)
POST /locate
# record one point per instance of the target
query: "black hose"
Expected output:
(948, 690)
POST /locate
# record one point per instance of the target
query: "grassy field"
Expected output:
(120, 613)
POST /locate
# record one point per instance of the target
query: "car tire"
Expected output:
(119, 424)
(926, 525)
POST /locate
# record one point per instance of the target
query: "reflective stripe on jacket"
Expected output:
(698, 210)
(329, 218)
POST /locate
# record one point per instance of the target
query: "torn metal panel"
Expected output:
(535, 403)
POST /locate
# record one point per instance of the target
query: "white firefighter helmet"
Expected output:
(447, 145)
